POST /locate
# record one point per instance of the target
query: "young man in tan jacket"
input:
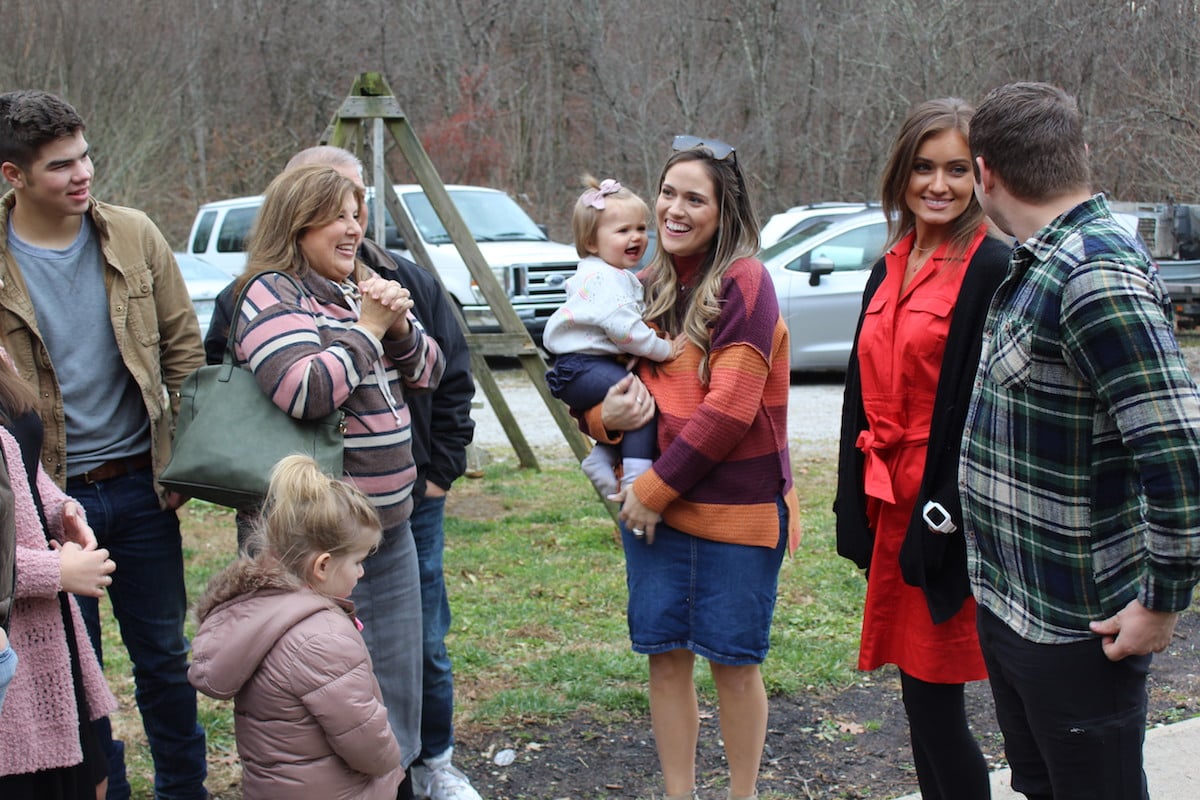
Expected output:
(99, 322)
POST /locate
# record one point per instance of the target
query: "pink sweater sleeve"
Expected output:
(39, 571)
(53, 500)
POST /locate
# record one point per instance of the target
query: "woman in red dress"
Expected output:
(907, 388)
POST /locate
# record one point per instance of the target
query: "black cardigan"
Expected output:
(935, 562)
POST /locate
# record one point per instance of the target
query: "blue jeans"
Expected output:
(437, 682)
(716, 599)
(387, 601)
(149, 601)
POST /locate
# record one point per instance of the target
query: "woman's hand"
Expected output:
(84, 571)
(636, 516)
(627, 406)
(385, 307)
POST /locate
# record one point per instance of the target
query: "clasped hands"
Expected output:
(384, 308)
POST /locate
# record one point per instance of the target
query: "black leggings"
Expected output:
(949, 763)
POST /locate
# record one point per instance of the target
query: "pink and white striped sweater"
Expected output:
(310, 356)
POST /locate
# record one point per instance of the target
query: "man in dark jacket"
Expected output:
(441, 428)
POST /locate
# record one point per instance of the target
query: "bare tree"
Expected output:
(191, 100)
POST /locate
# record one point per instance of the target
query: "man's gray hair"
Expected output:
(326, 156)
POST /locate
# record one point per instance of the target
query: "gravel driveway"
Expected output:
(814, 409)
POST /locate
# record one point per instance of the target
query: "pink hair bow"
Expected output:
(595, 197)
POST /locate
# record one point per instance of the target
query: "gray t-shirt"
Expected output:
(105, 415)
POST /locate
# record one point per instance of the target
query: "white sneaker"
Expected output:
(438, 779)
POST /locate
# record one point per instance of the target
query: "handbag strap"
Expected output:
(228, 360)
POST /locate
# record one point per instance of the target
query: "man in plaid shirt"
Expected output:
(1080, 470)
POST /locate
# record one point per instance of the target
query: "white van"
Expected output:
(531, 268)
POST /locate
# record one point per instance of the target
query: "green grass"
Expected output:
(537, 586)
(209, 541)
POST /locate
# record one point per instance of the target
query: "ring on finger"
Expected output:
(638, 532)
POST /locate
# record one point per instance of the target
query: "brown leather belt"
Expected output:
(114, 468)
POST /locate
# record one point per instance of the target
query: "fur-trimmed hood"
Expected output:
(309, 718)
(244, 576)
(243, 613)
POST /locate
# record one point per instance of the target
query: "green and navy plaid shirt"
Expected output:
(1080, 470)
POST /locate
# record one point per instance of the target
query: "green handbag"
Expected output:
(229, 434)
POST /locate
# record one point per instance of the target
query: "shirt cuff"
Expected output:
(593, 418)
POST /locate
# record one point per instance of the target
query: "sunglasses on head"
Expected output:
(720, 150)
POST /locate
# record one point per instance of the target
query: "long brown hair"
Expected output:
(300, 198)
(928, 119)
(16, 396)
(736, 237)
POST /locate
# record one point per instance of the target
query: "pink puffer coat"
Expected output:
(309, 718)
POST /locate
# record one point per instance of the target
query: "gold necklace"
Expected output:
(918, 256)
(915, 264)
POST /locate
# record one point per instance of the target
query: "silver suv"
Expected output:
(798, 219)
(819, 277)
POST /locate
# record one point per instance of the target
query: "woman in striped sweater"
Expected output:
(705, 529)
(347, 339)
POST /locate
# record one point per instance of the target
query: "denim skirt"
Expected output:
(713, 598)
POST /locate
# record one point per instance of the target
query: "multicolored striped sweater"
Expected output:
(310, 356)
(724, 447)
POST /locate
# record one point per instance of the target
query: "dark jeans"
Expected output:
(581, 381)
(437, 682)
(1073, 721)
(149, 601)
